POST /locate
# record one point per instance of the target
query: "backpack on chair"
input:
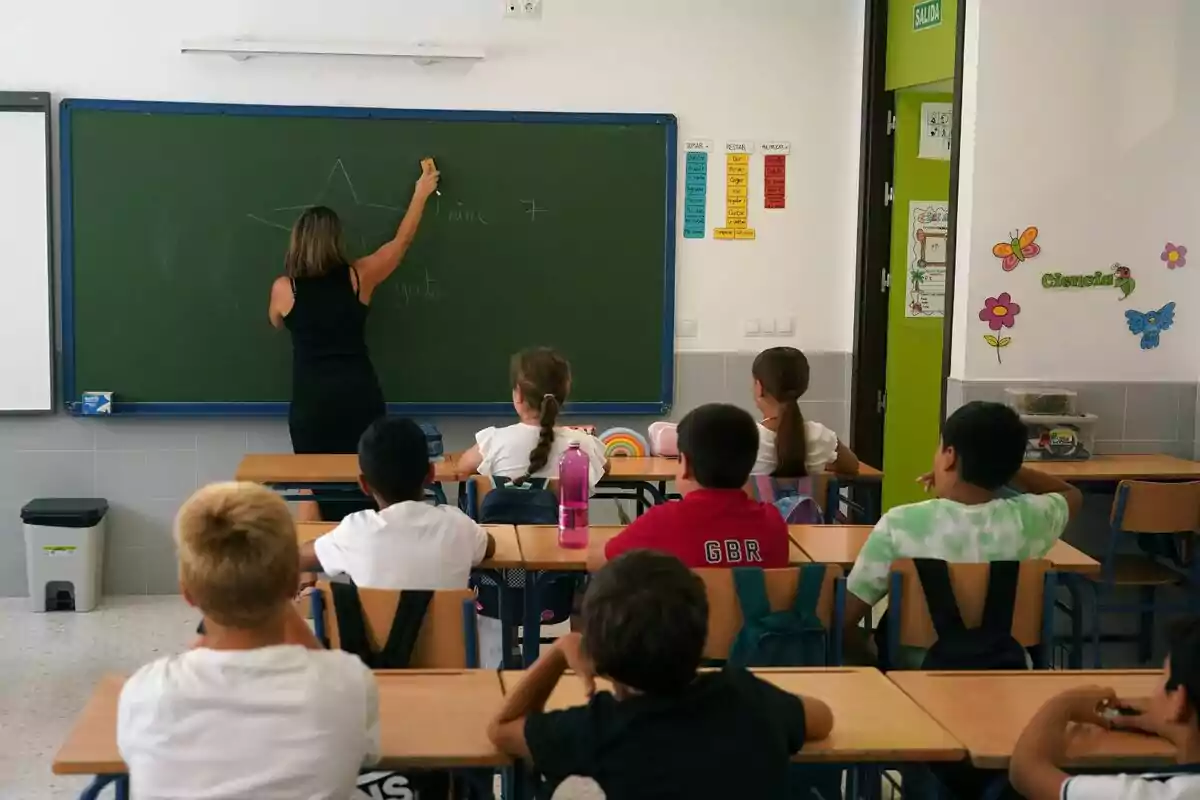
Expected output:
(529, 503)
(791, 638)
(988, 647)
(792, 498)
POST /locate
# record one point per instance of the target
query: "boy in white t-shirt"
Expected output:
(541, 380)
(1173, 713)
(246, 713)
(408, 544)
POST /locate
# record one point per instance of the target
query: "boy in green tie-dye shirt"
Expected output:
(970, 519)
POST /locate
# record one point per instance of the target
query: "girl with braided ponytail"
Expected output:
(789, 446)
(541, 381)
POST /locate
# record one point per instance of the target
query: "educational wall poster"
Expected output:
(737, 192)
(937, 120)
(925, 283)
(775, 173)
(695, 187)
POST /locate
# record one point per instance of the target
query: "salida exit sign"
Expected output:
(927, 14)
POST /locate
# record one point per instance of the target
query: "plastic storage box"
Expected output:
(64, 552)
(1060, 437)
(1052, 402)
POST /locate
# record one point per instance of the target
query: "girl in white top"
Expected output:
(541, 381)
(788, 446)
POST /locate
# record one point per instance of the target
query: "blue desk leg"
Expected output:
(120, 784)
(532, 636)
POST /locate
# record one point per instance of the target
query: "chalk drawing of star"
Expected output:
(337, 192)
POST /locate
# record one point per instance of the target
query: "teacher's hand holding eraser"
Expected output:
(427, 184)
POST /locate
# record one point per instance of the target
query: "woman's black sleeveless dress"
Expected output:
(335, 393)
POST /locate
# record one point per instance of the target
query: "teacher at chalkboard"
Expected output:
(322, 299)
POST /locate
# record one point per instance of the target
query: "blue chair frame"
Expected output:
(1146, 605)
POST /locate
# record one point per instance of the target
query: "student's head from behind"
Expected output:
(983, 444)
(1177, 703)
(316, 244)
(238, 556)
(393, 457)
(541, 381)
(780, 380)
(645, 619)
(718, 445)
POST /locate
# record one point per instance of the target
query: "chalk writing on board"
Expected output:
(419, 290)
(460, 213)
(533, 209)
(283, 217)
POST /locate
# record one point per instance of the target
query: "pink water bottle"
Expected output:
(574, 490)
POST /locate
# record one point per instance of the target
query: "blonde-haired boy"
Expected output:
(251, 711)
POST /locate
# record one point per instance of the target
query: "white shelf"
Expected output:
(420, 53)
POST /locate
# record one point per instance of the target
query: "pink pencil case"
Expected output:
(664, 439)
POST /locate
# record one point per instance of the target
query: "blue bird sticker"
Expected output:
(1149, 324)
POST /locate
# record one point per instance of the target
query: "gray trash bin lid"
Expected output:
(64, 512)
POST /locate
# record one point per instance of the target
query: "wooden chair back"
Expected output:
(725, 612)
(970, 584)
(443, 640)
(1149, 507)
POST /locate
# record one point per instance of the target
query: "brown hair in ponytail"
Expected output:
(542, 378)
(783, 374)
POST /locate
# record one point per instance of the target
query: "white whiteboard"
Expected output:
(26, 335)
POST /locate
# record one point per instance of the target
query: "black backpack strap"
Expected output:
(406, 626)
(1001, 601)
(939, 596)
(352, 628)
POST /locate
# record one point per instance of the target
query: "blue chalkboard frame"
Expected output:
(71, 393)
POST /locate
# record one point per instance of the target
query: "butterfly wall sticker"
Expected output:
(1150, 324)
(1017, 249)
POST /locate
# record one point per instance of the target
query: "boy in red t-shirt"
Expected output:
(716, 524)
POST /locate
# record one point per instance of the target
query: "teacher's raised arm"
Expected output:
(374, 269)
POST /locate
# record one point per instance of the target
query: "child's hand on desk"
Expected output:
(570, 646)
(1086, 704)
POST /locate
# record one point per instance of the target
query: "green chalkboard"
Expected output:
(552, 229)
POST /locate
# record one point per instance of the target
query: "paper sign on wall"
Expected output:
(937, 125)
(775, 173)
(925, 281)
(737, 192)
(695, 187)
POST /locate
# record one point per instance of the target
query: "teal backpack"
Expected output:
(791, 638)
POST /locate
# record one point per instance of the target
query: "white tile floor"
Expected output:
(48, 666)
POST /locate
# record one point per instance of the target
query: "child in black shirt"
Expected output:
(665, 730)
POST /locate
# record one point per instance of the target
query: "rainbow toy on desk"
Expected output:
(624, 442)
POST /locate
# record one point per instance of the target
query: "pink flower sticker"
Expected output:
(999, 312)
(1175, 255)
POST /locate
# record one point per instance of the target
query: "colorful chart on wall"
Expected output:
(925, 283)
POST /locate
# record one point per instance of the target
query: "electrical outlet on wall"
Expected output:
(512, 9)
(785, 326)
(751, 327)
(767, 327)
(532, 9)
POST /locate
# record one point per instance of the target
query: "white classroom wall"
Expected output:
(729, 69)
(1079, 117)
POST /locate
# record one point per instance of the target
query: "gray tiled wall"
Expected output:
(147, 467)
(1134, 417)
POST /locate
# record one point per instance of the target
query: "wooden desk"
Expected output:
(507, 555)
(428, 719)
(1152, 466)
(840, 544)
(873, 721)
(987, 711)
(540, 550)
(292, 469)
